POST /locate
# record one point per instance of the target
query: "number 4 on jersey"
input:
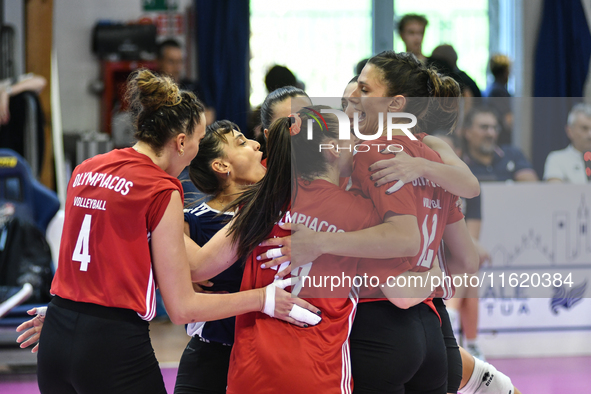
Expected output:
(81, 253)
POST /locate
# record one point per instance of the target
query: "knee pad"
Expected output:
(486, 379)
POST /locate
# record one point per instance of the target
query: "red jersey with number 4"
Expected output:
(113, 204)
(273, 356)
(433, 206)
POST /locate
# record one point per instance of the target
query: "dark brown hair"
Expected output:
(403, 74)
(411, 18)
(264, 204)
(160, 109)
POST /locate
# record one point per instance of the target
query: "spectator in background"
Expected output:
(488, 162)
(499, 96)
(486, 159)
(568, 164)
(445, 59)
(412, 30)
(171, 62)
(279, 77)
(14, 115)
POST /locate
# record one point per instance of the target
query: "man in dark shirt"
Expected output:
(487, 160)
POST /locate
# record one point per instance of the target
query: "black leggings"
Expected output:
(397, 350)
(87, 348)
(454, 359)
(203, 368)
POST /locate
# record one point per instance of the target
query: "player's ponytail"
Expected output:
(293, 151)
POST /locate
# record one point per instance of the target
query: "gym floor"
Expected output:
(550, 375)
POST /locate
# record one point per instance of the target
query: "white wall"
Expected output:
(73, 23)
(14, 17)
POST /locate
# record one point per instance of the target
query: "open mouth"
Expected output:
(361, 113)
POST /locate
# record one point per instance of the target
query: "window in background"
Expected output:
(319, 41)
(462, 24)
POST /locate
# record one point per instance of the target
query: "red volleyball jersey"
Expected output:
(272, 356)
(113, 204)
(433, 206)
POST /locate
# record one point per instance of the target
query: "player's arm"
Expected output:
(218, 254)
(169, 260)
(417, 290)
(398, 236)
(453, 174)
(463, 254)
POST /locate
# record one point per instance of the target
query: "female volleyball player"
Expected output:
(95, 336)
(226, 162)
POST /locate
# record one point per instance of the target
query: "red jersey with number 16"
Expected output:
(114, 202)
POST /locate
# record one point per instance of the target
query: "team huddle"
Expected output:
(234, 268)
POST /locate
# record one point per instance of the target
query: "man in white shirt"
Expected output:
(568, 165)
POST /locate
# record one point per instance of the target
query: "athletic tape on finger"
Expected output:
(274, 253)
(41, 311)
(395, 188)
(304, 315)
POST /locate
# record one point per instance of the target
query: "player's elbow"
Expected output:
(473, 189)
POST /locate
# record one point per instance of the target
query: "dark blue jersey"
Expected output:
(203, 224)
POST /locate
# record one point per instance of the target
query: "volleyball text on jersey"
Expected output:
(104, 180)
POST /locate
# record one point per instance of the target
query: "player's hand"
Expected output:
(33, 329)
(307, 245)
(280, 304)
(280, 254)
(483, 254)
(402, 168)
(201, 287)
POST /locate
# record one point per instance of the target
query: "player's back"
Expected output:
(269, 353)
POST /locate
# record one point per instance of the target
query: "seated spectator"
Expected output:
(280, 77)
(9, 88)
(568, 165)
(412, 31)
(486, 159)
(15, 98)
(499, 96)
(171, 62)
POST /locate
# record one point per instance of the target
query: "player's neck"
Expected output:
(332, 176)
(228, 195)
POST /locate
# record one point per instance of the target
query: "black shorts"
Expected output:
(87, 348)
(203, 368)
(397, 351)
(454, 359)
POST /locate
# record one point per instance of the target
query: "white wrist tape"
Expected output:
(297, 312)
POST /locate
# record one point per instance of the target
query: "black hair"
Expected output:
(263, 204)
(210, 148)
(275, 97)
(278, 77)
(477, 110)
(168, 43)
